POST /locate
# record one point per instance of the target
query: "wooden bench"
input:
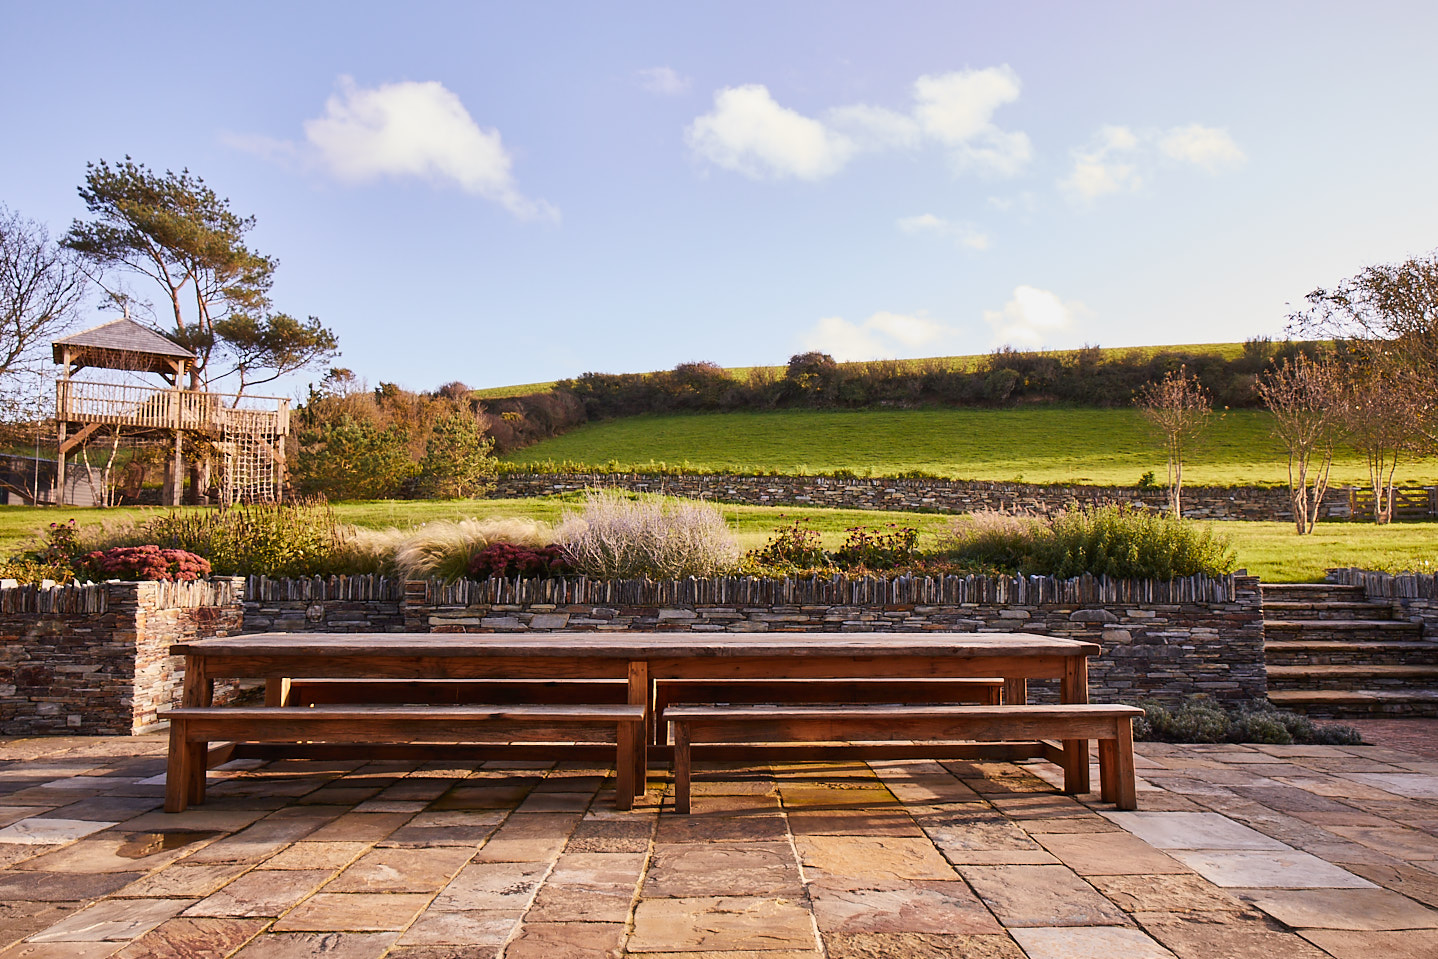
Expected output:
(454, 692)
(1112, 726)
(192, 729)
(674, 692)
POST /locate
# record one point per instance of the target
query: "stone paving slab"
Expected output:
(1235, 852)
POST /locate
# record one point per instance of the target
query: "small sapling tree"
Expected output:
(1179, 409)
(1309, 407)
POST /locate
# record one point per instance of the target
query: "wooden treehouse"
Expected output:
(245, 435)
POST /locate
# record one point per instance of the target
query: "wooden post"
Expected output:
(178, 470)
(682, 768)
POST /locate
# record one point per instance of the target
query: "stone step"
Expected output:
(1343, 630)
(1340, 653)
(1357, 703)
(1297, 610)
(1310, 592)
(1367, 676)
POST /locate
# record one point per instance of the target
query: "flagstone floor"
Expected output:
(1236, 851)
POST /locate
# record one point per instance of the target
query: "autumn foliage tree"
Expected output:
(1179, 409)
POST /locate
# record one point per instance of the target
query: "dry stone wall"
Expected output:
(94, 660)
(337, 604)
(936, 495)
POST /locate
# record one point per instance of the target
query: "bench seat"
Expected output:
(1111, 725)
(193, 728)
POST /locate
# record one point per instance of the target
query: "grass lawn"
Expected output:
(1041, 444)
(1271, 551)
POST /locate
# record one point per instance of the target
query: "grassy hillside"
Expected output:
(1269, 550)
(1228, 351)
(1039, 444)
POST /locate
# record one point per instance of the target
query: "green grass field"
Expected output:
(1269, 550)
(1228, 351)
(1037, 444)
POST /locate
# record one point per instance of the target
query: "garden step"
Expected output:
(1365, 676)
(1311, 592)
(1298, 610)
(1331, 652)
(1352, 630)
(1357, 703)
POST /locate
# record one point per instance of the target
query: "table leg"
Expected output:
(640, 694)
(277, 691)
(1016, 691)
(1074, 689)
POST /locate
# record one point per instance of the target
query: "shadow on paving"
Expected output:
(1235, 851)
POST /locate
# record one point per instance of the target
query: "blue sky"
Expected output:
(507, 193)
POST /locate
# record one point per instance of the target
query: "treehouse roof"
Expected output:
(122, 345)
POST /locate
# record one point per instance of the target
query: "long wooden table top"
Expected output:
(638, 645)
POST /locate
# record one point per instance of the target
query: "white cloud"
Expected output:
(964, 233)
(1115, 160)
(409, 129)
(1207, 147)
(664, 81)
(875, 128)
(1105, 166)
(1023, 202)
(749, 133)
(1031, 316)
(883, 335)
(957, 109)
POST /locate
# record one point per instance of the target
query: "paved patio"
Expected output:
(1236, 851)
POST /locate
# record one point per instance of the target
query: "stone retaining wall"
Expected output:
(936, 495)
(1160, 640)
(338, 604)
(1414, 595)
(94, 660)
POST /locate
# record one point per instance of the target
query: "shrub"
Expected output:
(992, 539)
(510, 559)
(352, 459)
(660, 537)
(1202, 720)
(444, 548)
(879, 548)
(457, 460)
(267, 539)
(146, 563)
(1128, 544)
(792, 547)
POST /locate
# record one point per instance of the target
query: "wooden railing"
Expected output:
(143, 406)
(1412, 503)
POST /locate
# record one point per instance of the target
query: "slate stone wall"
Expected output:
(94, 660)
(1160, 640)
(337, 604)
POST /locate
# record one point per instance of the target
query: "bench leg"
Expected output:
(1016, 692)
(627, 739)
(681, 768)
(1108, 769)
(177, 769)
(1124, 774)
(198, 764)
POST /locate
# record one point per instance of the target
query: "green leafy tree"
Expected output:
(346, 459)
(176, 231)
(457, 460)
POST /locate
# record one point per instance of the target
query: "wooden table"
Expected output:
(641, 658)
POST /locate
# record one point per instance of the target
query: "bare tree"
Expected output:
(1382, 404)
(1388, 313)
(41, 286)
(1307, 400)
(1179, 408)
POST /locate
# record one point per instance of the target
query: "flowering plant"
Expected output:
(146, 563)
(510, 559)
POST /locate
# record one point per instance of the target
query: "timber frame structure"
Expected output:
(246, 432)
